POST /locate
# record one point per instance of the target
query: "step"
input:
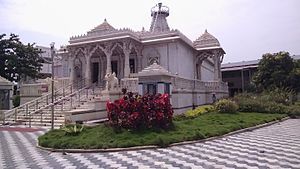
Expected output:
(39, 114)
(81, 105)
(38, 123)
(37, 119)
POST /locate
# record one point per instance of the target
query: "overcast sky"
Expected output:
(245, 28)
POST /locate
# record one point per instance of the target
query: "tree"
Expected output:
(295, 76)
(278, 70)
(18, 60)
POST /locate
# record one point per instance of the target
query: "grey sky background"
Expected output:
(245, 28)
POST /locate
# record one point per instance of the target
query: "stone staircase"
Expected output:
(39, 119)
(38, 112)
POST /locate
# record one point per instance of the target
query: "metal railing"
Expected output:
(65, 98)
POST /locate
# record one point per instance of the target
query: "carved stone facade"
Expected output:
(93, 61)
(125, 52)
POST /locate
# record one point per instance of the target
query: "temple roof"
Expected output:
(105, 26)
(154, 69)
(206, 40)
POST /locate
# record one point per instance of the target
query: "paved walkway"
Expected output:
(276, 146)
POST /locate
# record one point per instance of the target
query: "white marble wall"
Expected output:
(185, 60)
(30, 92)
(207, 71)
(176, 57)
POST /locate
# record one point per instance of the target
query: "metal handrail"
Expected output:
(42, 99)
(66, 97)
(60, 100)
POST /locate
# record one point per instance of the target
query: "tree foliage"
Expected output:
(295, 76)
(278, 70)
(18, 60)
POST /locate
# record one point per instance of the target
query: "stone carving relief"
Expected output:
(78, 68)
(152, 60)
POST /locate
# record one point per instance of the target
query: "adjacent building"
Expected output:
(6, 93)
(238, 75)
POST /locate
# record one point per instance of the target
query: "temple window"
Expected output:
(151, 89)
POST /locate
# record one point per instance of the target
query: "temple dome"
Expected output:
(105, 26)
(206, 40)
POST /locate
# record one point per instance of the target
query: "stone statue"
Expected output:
(112, 81)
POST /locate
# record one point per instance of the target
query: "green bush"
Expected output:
(277, 101)
(273, 107)
(179, 117)
(199, 110)
(226, 106)
(294, 111)
(279, 95)
(250, 105)
(16, 100)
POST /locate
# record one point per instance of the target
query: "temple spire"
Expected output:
(159, 15)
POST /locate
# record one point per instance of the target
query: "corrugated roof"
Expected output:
(246, 64)
(240, 64)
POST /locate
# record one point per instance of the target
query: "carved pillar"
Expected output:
(121, 65)
(108, 62)
(100, 71)
(216, 58)
(126, 64)
(139, 59)
(72, 70)
(126, 50)
(88, 73)
(220, 61)
(108, 53)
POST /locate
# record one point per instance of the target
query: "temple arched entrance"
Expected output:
(117, 61)
(98, 67)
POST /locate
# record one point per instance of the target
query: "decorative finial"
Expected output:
(159, 5)
(206, 31)
(105, 20)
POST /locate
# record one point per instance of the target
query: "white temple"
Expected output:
(94, 68)
(160, 59)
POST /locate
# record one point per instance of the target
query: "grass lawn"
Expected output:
(204, 126)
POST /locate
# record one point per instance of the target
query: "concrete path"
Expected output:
(276, 146)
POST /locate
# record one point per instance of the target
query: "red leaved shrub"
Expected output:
(135, 111)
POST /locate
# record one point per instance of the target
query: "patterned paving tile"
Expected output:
(276, 146)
